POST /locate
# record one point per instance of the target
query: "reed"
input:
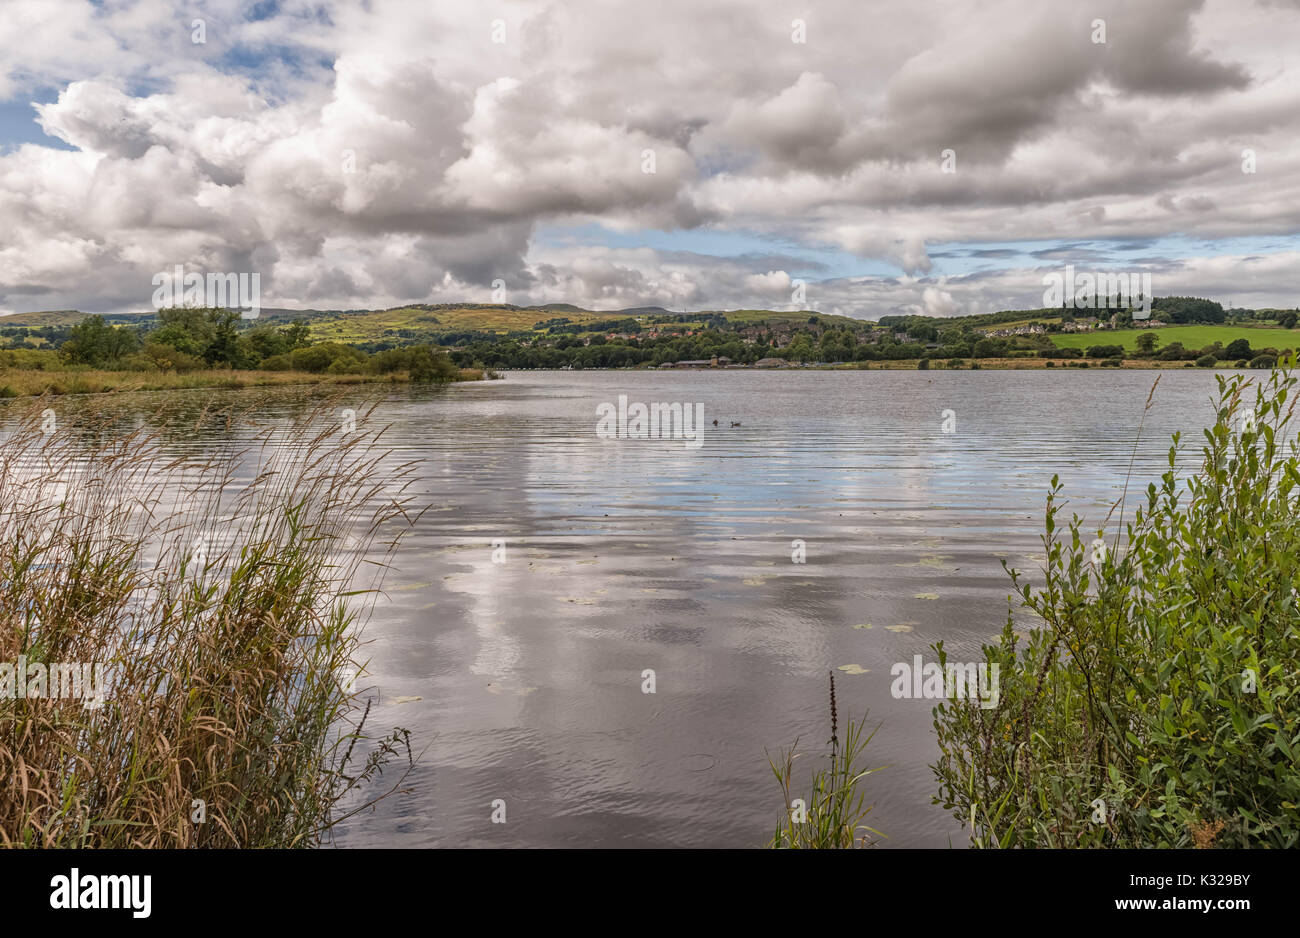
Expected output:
(832, 815)
(224, 599)
(15, 382)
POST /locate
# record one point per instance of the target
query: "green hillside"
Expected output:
(360, 325)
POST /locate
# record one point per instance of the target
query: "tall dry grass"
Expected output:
(224, 597)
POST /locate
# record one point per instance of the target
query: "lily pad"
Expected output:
(853, 669)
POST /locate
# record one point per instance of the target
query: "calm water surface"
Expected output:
(629, 555)
(522, 680)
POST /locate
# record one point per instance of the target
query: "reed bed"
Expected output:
(223, 598)
(33, 382)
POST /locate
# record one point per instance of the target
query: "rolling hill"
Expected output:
(417, 320)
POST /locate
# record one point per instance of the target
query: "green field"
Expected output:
(1192, 337)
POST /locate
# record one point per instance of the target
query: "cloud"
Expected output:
(372, 154)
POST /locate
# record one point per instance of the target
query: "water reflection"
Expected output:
(523, 678)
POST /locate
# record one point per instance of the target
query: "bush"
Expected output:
(1106, 351)
(160, 357)
(1173, 352)
(1155, 705)
(1237, 348)
(1263, 361)
(1111, 363)
(318, 359)
(1206, 361)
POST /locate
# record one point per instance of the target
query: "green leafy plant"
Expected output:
(1155, 704)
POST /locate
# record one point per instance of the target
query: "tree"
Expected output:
(94, 342)
(1146, 343)
(223, 349)
(801, 348)
(298, 334)
(1238, 348)
(429, 364)
(1288, 320)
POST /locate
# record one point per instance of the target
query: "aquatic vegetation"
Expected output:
(223, 597)
(1156, 704)
(833, 813)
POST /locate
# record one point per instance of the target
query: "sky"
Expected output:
(934, 156)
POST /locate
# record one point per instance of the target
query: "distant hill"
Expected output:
(420, 322)
(53, 317)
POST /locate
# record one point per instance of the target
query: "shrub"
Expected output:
(1106, 351)
(318, 359)
(161, 357)
(1263, 361)
(1175, 351)
(429, 364)
(1237, 348)
(1206, 361)
(278, 363)
(1155, 704)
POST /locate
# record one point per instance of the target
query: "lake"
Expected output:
(628, 555)
(519, 668)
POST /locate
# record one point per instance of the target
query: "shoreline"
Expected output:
(910, 364)
(23, 382)
(27, 383)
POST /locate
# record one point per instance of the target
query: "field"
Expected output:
(1192, 337)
